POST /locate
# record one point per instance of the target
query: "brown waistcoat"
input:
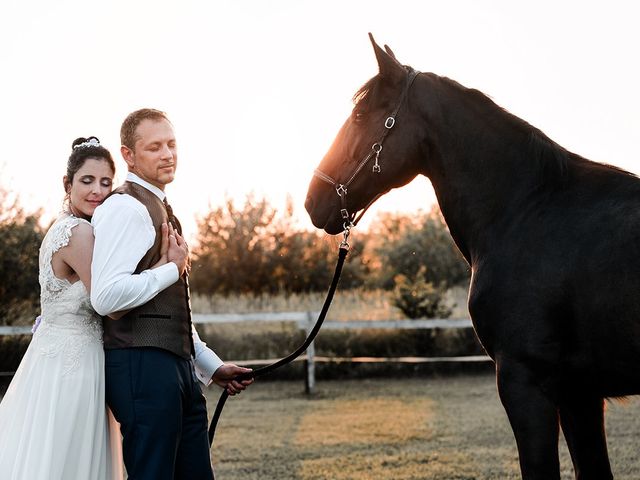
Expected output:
(165, 321)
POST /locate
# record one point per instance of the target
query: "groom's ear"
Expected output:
(128, 156)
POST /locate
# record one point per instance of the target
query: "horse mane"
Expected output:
(363, 92)
(552, 161)
(362, 95)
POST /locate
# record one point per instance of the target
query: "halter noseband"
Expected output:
(350, 219)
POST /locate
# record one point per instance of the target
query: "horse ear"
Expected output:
(387, 49)
(388, 66)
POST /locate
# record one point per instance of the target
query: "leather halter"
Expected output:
(350, 219)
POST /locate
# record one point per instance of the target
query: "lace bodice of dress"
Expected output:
(69, 323)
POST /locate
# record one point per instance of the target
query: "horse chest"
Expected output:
(508, 321)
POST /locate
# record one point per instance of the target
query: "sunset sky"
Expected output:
(257, 89)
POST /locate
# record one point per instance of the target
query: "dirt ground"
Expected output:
(450, 428)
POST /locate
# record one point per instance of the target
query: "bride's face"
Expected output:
(89, 186)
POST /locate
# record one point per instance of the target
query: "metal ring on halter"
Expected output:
(390, 122)
(345, 235)
(376, 165)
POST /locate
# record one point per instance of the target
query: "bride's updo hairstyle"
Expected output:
(81, 150)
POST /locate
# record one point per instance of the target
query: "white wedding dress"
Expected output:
(54, 424)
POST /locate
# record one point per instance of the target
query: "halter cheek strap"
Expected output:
(350, 219)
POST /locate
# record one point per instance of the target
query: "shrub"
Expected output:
(417, 298)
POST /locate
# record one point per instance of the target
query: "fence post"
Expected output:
(310, 377)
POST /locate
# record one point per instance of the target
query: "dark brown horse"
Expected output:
(553, 241)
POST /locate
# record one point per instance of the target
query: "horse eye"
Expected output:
(358, 116)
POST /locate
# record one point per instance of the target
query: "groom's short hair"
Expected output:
(128, 136)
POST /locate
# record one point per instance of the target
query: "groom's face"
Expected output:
(155, 156)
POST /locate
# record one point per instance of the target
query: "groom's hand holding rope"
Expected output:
(225, 377)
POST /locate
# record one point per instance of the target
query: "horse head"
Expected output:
(377, 148)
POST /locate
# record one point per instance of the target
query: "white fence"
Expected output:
(4, 330)
(306, 321)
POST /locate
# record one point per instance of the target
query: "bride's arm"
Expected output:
(79, 252)
(164, 248)
(124, 233)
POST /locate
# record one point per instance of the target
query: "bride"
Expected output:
(54, 424)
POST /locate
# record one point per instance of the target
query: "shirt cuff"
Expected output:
(166, 275)
(206, 363)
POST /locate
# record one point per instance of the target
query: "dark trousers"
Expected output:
(156, 397)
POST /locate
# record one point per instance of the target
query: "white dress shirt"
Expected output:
(124, 233)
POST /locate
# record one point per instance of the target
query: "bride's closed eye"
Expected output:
(89, 179)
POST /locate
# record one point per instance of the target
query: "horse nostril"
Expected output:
(308, 204)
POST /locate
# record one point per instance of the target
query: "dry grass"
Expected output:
(387, 420)
(428, 429)
(357, 304)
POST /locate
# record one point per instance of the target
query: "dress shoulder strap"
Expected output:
(60, 232)
(56, 238)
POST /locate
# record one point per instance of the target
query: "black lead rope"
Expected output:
(342, 254)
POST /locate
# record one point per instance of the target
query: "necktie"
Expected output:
(172, 218)
(176, 224)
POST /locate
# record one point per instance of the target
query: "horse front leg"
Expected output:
(534, 420)
(582, 420)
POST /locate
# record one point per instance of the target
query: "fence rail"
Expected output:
(11, 330)
(305, 321)
(304, 318)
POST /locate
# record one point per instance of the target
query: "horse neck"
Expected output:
(476, 166)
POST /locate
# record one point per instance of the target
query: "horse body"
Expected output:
(553, 241)
(554, 244)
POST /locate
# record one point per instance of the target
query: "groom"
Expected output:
(153, 355)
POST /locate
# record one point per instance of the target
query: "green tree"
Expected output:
(411, 242)
(300, 260)
(20, 239)
(254, 250)
(231, 245)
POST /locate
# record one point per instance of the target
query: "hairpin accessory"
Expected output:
(92, 142)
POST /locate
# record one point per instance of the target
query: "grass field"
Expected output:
(450, 428)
